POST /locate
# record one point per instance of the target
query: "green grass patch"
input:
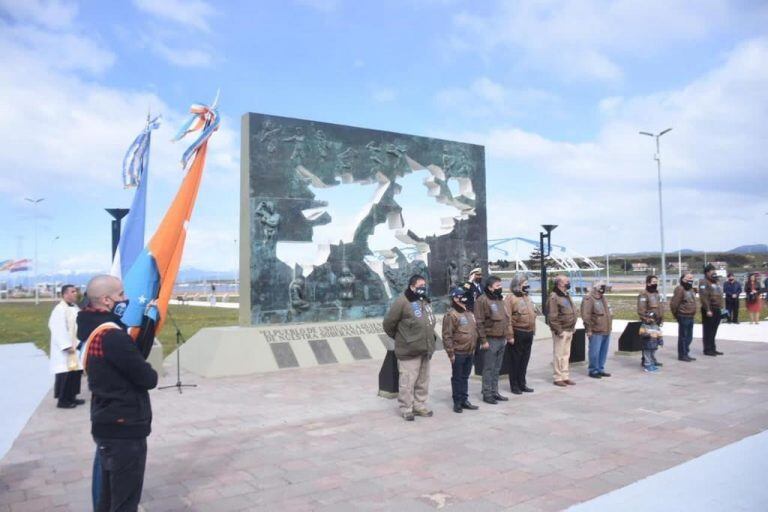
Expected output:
(25, 322)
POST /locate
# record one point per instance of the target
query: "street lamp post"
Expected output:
(657, 157)
(35, 202)
(543, 260)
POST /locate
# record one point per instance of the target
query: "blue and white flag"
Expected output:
(135, 173)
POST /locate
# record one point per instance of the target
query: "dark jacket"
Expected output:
(596, 314)
(411, 323)
(647, 303)
(459, 332)
(731, 288)
(119, 377)
(492, 318)
(477, 291)
(711, 296)
(683, 302)
(561, 314)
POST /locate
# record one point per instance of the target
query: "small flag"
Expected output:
(20, 265)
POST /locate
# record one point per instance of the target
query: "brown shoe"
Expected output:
(560, 383)
(569, 382)
(423, 412)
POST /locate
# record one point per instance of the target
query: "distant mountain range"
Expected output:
(742, 249)
(186, 275)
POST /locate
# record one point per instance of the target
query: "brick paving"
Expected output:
(320, 439)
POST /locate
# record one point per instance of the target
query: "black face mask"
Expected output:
(118, 308)
(601, 289)
(498, 293)
(525, 289)
(463, 299)
(478, 279)
(421, 291)
(651, 288)
(568, 286)
(687, 285)
(713, 278)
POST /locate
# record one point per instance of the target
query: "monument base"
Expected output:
(229, 351)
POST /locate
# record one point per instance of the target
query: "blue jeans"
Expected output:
(461, 369)
(684, 335)
(598, 352)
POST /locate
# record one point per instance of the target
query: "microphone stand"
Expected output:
(179, 340)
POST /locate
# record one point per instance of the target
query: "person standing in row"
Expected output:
(64, 357)
(732, 289)
(494, 334)
(598, 320)
(561, 317)
(411, 322)
(650, 309)
(459, 340)
(683, 306)
(476, 285)
(711, 297)
(522, 318)
(754, 300)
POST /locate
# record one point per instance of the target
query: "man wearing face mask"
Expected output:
(683, 306)
(119, 378)
(522, 319)
(476, 284)
(411, 322)
(561, 317)
(495, 333)
(459, 340)
(598, 320)
(650, 309)
(711, 296)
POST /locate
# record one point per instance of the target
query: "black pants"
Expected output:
(122, 473)
(520, 354)
(66, 387)
(709, 325)
(460, 371)
(732, 305)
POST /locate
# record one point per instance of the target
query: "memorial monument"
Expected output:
(319, 265)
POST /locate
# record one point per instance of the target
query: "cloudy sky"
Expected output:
(556, 91)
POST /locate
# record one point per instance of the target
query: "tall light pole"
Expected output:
(657, 157)
(35, 202)
(543, 260)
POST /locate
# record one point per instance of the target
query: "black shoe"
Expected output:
(595, 375)
(500, 398)
(490, 400)
(710, 354)
(468, 405)
(66, 405)
(685, 359)
(457, 408)
(656, 363)
(691, 358)
(516, 391)
(605, 374)
(79, 401)
(526, 389)
(718, 353)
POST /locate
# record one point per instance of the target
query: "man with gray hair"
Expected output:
(561, 317)
(598, 320)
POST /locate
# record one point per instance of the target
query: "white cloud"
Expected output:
(51, 13)
(183, 57)
(192, 14)
(582, 39)
(485, 97)
(714, 164)
(65, 135)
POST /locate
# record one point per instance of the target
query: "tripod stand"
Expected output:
(179, 340)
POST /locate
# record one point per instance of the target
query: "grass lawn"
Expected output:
(25, 322)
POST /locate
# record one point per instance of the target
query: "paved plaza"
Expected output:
(320, 439)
